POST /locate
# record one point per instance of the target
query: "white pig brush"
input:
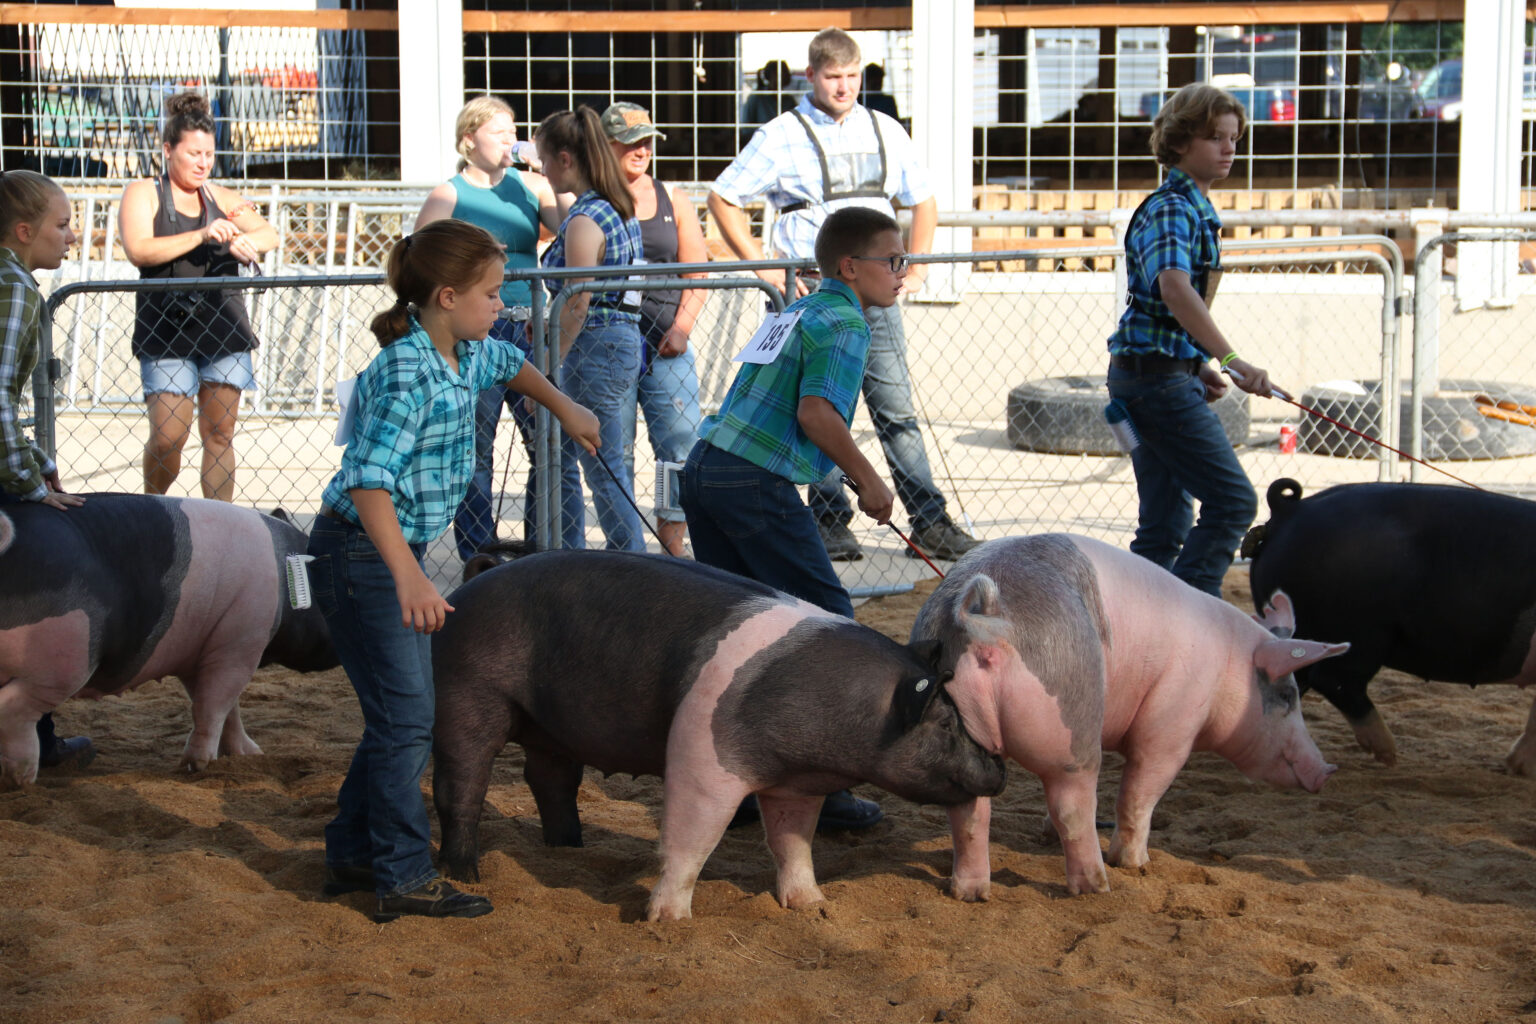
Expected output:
(1120, 425)
(668, 484)
(298, 580)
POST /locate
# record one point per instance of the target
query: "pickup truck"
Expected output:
(1262, 102)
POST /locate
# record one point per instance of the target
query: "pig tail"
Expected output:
(443, 254)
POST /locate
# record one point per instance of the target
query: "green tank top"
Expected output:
(510, 212)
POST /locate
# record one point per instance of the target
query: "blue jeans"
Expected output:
(888, 395)
(381, 818)
(751, 522)
(474, 524)
(1184, 454)
(669, 395)
(601, 372)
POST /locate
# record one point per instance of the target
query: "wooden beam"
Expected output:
(894, 18)
(1218, 13)
(61, 14)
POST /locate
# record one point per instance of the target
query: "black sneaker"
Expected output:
(839, 541)
(75, 752)
(842, 811)
(344, 878)
(942, 539)
(435, 899)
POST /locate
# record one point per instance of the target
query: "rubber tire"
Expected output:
(1065, 416)
(1453, 428)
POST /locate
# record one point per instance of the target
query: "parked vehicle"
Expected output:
(1440, 91)
(1263, 103)
(1386, 100)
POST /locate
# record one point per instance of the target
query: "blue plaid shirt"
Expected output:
(1177, 228)
(780, 164)
(22, 463)
(824, 357)
(622, 246)
(414, 435)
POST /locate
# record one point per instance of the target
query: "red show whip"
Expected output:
(905, 539)
(1275, 392)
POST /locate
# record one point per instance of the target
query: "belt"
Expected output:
(1155, 365)
(517, 314)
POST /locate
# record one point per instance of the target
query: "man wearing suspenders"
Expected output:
(826, 154)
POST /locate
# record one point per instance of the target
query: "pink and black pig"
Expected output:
(722, 686)
(1435, 581)
(127, 588)
(1062, 647)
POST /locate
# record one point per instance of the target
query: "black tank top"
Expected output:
(185, 324)
(658, 238)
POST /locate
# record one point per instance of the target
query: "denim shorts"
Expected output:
(177, 376)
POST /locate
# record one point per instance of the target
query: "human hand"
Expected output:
(221, 231)
(1252, 379)
(876, 500)
(917, 274)
(61, 501)
(422, 608)
(673, 344)
(1215, 383)
(579, 422)
(242, 250)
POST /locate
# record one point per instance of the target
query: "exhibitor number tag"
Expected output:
(770, 339)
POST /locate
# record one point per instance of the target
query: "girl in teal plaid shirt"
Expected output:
(405, 471)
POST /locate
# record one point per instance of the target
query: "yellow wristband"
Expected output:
(1226, 359)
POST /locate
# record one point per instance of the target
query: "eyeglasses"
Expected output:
(896, 263)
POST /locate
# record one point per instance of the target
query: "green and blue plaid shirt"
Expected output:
(1175, 229)
(414, 433)
(823, 357)
(22, 463)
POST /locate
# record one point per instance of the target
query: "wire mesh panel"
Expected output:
(1473, 370)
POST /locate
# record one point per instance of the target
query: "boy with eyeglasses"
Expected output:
(784, 423)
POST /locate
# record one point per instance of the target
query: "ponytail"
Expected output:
(580, 133)
(443, 254)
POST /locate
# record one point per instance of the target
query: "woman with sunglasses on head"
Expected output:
(671, 233)
(191, 344)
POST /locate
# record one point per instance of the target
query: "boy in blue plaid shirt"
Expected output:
(785, 423)
(1158, 369)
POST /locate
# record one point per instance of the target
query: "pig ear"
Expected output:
(1279, 658)
(913, 697)
(1279, 615)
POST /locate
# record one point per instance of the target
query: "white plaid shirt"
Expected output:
(780, 164)
(22, 463)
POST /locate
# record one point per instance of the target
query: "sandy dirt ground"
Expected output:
(133, 893)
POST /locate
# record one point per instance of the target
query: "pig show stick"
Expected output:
(1275, 392)
(627, 497)
(855, 489)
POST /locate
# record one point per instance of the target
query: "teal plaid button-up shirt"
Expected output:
(414, 433)
(823, 357)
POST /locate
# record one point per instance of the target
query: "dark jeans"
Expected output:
(751, 522)
(381, 820)
(1184, 454)
(888, 395)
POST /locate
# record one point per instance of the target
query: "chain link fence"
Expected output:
(1007, 386)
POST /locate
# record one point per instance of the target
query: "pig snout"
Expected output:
(1295, 764)
(973, 770)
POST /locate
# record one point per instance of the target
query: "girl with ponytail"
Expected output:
(404, 472)
(600, 339)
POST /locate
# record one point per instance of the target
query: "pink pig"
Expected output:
(1062, 647)
(127, 588)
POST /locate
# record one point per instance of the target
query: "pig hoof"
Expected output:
(667, 912)
(799, 899)
(1078, 886)
(1519, 762)
(970, 892)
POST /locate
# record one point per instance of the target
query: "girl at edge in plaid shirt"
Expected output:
(1158, 369)
(35, 234)
(404, 473)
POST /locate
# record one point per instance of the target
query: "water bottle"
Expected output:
(1120, 425)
